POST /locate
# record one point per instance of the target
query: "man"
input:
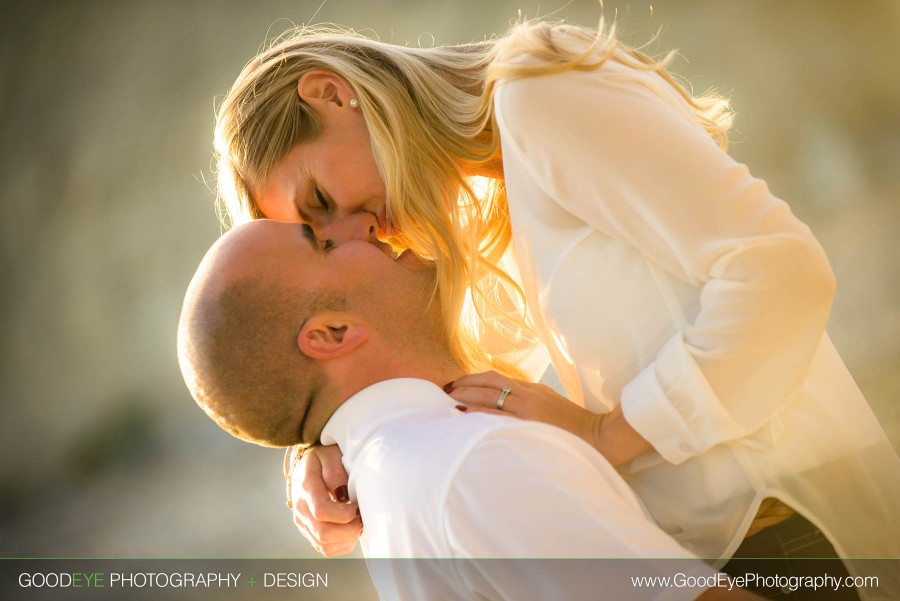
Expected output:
(284, 340)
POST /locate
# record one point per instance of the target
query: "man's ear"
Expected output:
(330, 335)
(318, 88)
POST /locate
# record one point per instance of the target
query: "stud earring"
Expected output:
(354, 103)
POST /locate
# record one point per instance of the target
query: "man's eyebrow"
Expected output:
(310, 235)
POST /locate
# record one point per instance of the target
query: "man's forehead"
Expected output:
(256, 247)
(265, 232)
(265, 237)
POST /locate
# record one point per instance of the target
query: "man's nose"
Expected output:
(358, 226)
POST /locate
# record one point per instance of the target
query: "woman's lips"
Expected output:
(406, 257)
(386, 229)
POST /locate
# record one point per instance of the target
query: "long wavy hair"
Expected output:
(430, 117)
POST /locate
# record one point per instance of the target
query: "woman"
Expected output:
(682, 305)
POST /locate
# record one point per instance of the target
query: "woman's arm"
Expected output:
(610, 433)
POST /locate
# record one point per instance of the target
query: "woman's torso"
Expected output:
(604, 308)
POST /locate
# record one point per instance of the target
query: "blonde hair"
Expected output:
(429, 112)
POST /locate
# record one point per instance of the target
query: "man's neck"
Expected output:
(377, 362)
(439, 372)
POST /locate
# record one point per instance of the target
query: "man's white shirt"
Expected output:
(463, 489)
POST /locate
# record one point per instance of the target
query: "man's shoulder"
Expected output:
(404, 473)
(435, 443)
(425, 452)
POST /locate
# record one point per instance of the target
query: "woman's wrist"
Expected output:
(292, 457)
(616, 440)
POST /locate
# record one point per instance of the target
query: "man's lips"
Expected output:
(413, 261)
(384, 247)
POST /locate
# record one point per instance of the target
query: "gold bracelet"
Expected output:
(289, 469)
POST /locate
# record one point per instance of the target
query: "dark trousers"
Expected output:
(785, 554)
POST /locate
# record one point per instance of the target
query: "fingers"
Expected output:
(488, 411)
(322, 511)
(484, 390)
(485, 398)
(310, 489)
(487, 379)
(333, 473)
(337, 551)
(331, 540)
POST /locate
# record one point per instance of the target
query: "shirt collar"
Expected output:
(364, 412)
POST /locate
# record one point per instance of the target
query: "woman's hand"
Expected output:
(321, 504)
(610, 434)
(481, 392)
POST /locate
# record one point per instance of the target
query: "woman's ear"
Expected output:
(330, 335)
(318, 88)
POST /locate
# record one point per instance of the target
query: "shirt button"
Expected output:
(684, 447)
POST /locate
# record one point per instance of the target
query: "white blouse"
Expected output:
(663, 276)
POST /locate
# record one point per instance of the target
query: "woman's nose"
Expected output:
(358, 226)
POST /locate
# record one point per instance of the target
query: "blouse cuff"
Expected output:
(648, 411)
(671, 404)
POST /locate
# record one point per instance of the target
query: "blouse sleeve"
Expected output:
(624, 154)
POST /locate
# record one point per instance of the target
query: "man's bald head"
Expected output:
(278, 329)
(237, 339)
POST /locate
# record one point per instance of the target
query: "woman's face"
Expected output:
(323, 181)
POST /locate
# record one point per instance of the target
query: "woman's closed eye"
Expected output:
(321, 199)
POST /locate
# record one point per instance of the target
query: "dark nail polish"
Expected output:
(342, 494)
(462, 408)
(448, 387)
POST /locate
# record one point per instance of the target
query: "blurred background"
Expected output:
(105, 180)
